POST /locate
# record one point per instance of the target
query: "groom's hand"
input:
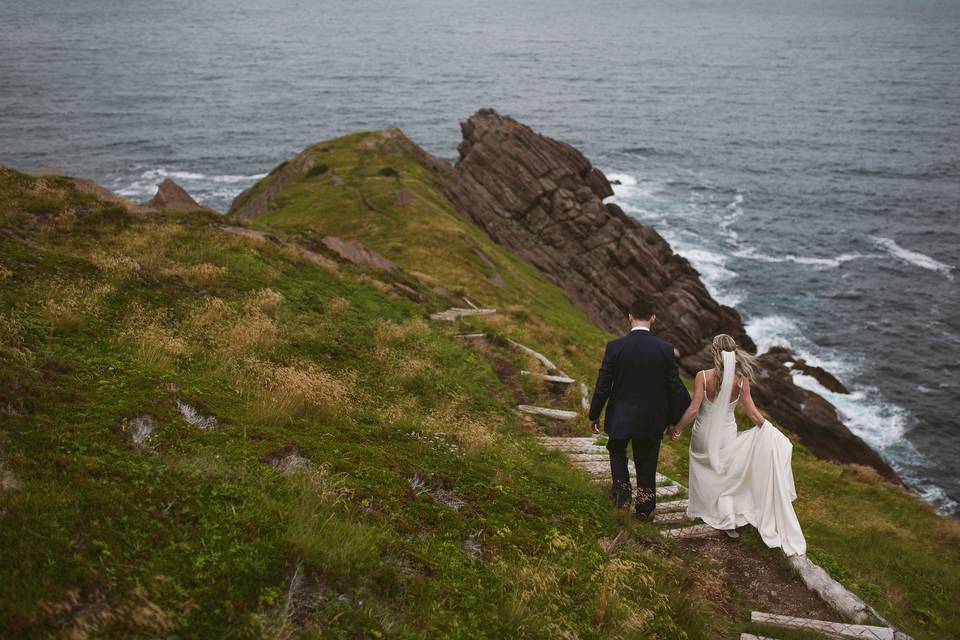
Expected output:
(595, 427)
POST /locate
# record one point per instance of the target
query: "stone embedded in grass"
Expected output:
(419, 486)
(290, 460)
(194, 417)
(140, 427)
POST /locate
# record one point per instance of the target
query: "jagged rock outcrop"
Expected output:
(543, 199)
(172, 197)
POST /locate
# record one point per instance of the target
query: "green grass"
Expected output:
(105, 316)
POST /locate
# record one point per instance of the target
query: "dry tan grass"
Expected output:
(68, 304)
(279, 393)
(115, 266)
(473, 430)
(264, 300)
(619, 616)
(88, 617)
(538, 587)
(251, 332)
(11, 331)
(148, 244)
(196, 275)
(5, 273)
(338, 306)
(156, 344)
(207, 319)
(389, 335)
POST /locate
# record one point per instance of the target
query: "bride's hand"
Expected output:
(674, 434)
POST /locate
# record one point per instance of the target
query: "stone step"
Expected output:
(833, 629)
(556, 414)
(750, 636)
(693, 531)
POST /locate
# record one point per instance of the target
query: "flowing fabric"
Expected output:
(744, 477)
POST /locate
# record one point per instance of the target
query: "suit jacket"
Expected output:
(639, 382)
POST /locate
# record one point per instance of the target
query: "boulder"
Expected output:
(172, 197)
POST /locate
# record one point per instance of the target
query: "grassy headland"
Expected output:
(367, 475)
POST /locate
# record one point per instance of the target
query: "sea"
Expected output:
(804, 156)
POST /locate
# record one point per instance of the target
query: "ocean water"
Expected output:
(805, 156)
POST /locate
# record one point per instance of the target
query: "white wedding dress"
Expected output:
(742, 477)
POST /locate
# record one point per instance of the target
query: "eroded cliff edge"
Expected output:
(544, 200)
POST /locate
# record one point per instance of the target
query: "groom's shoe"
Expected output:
(645, 516)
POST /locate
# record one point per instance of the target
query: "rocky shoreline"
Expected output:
(544, 200)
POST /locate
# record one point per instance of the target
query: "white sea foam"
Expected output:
(772, 331)
(882, 424)
(750, 253)
(631, 187)
(200, 185)
(915, 258)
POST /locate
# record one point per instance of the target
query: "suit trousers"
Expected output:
(646, 452)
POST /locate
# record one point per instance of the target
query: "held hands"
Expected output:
(595, 427)
(674, 432)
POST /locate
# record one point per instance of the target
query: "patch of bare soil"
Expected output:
(763, 582)
(503, 368)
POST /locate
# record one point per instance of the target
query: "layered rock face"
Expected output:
(544, 200)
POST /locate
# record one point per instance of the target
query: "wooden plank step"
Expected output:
(584, 397)
(750, 636)
(549, 378)
(668, 517)
(840, 599)
(693, 531)
(544, 360)
(669, 490)
(836, 629)
(673, 505)
(556, 414)
(452, 314)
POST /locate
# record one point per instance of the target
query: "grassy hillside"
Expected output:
(366, 476)
(206, 435)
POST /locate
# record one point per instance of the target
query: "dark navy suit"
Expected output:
(639, 383)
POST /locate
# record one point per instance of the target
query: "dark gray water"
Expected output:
(804, 155)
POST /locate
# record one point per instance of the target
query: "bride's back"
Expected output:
(711, 388)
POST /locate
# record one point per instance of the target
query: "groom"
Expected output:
(640, 384)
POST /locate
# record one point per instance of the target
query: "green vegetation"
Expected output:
(367, 475)
(425, 508)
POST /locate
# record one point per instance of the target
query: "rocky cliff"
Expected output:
(544, 200)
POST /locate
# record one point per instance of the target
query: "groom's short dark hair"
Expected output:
(641, 308)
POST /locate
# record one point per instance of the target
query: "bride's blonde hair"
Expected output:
(746, 363)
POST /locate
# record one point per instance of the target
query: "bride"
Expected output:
(742, 477)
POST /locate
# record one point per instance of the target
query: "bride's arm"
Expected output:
(746, 400)
(691, 411)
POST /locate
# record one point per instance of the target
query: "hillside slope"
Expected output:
(212, 430)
